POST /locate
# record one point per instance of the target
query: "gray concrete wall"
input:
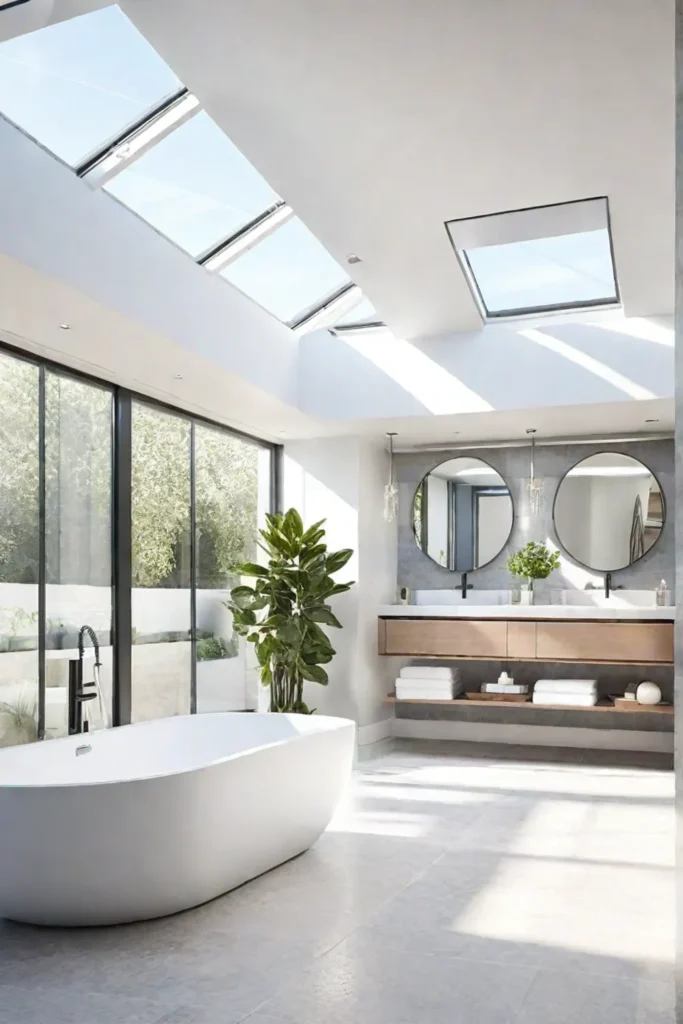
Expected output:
(417, 571)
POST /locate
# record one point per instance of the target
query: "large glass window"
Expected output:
(288, 273)
(199, 495)
(232, 497)
(541, 259)
(161, 564)
(19, 550)
(78, 541)
(194, 186)
(75, 85)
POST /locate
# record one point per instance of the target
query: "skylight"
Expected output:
(363, 313)
(194, 186)
(288, 273)
(538, 260)
(75, 85)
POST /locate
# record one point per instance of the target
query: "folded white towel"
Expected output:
(572, 700)
(408, 694)
(429, 672)
(427, 684)
(566, 686)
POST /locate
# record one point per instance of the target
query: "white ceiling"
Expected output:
(380, 120)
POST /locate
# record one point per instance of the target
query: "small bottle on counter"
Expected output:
(662, 595)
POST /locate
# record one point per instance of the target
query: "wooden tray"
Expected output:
(500, 698)
(621, 704)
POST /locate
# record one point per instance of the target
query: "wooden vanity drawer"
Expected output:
(631, 642)
(444, 638)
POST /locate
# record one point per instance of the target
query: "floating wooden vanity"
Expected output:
(645, 636)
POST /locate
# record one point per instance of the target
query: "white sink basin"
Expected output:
(597, 599)
(474, 597)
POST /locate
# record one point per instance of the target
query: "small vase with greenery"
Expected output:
(282, 613)
(534, 562)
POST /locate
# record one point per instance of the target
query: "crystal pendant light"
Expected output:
(391, 489)
(534, 485)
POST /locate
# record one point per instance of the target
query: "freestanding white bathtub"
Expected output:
(161, 816)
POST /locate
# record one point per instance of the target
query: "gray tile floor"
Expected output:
(448, 890)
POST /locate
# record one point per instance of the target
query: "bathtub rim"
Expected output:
(340, 724)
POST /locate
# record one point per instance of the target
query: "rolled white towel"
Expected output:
(432, 672)
(566, 686)
(572, 700)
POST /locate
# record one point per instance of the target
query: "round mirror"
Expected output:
(462, 514)
(609, 511)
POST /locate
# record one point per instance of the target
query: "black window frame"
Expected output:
(121, 515)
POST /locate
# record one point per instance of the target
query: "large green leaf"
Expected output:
(252, 569)
(324, 615)
(314, 673)
(338, 559)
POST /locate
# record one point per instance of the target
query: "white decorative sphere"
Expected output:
(648, 693)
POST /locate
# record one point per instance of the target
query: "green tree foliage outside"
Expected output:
(226, 482)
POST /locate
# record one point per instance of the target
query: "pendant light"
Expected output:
(391, 489)
(534, 485)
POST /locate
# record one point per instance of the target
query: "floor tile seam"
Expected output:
(447, 955)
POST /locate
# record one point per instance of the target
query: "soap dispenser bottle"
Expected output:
(662, 595)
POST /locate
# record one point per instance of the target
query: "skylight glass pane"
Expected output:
(566, 270)
(363, 313)
(288, 272)
(75, 85)
(194, 186)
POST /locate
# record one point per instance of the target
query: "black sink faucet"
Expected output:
(77, 688)
(609, 586)
(464, 585)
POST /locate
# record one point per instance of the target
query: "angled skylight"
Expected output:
(194, 186)
(288, 273)
(75, 85)
(538, 260)
(363, 313)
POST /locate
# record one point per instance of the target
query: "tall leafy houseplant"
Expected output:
(284, 610)
(534, 562)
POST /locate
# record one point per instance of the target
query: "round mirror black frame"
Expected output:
(418, 543)
(628, 565)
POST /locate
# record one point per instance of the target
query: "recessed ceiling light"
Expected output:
(352, 258)
(65, 327)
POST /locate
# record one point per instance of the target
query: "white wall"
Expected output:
(437, 518)
(494, 523)
(342, 480)
(374, 375)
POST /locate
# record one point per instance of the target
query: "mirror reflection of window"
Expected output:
(609, 511)
(462, 514)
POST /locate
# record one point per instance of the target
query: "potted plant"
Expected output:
(282, 613)
(534, 562)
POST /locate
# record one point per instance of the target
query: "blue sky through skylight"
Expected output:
(76, 84)
(194, 186)
(565, 270)
(287, 272)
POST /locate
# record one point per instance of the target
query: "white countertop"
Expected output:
(524, 611)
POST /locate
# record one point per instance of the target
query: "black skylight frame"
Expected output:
(526, 311)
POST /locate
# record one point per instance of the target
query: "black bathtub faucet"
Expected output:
(79, 692)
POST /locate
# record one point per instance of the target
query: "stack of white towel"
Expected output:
(579, 693)
(428, 682)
